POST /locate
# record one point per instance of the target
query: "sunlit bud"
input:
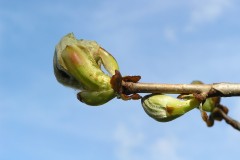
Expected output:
(77, 64)
(164, 108)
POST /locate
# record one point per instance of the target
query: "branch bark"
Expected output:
(215, 89)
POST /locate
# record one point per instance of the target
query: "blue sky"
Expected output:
(162, 40)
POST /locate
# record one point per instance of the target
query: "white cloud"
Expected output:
(133, 145)
(108, 15)
(127, 142)
(165, 148)
(170, 34)
(206, 11)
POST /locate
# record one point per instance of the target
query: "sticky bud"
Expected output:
(77, 64)
(164, 108)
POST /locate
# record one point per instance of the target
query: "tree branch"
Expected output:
(215, 89)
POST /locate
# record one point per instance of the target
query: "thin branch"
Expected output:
(216, 89)
(235, 124)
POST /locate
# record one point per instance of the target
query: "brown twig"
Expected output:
(129, 85)
(216, 89)
(235, 124)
